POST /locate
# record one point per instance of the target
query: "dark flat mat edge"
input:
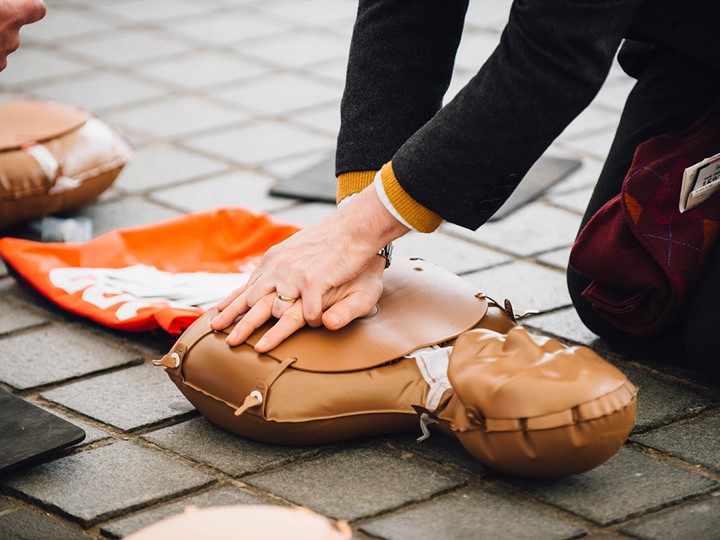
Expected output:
(317, 183)
(29, 434)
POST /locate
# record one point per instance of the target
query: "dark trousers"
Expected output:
(671, 93)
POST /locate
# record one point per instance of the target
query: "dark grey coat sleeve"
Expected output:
(400, 64)
(464, 160)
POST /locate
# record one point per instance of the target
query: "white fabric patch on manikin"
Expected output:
(45, 159)
(433, 364)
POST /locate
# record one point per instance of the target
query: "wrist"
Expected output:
(368, 222)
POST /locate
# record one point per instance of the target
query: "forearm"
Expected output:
(551, 61)
(400, 64)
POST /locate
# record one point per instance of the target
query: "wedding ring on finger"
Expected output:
(288, 299)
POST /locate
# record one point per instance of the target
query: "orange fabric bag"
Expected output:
(119, 278)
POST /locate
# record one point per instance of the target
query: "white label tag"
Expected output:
(699, 182)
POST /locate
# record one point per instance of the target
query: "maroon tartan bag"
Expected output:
(643, 256)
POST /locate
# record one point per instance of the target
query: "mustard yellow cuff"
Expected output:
(353, 182)
(415, 214)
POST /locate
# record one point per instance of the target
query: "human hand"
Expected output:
(327, 274)
(13, 15)
(343, 304)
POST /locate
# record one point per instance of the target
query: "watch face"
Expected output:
(386, 251)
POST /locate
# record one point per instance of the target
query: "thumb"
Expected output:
(348, 309)
(31, 11)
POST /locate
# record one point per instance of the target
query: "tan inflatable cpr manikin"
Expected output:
(54, 158)
(435, 352)
(246, 522)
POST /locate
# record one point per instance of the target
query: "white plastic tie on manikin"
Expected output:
(425, 421)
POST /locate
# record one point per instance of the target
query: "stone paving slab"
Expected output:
(127, 47)
(492, 15)
(565, 324)
(583, 177)
(356, 482)
(526, 285)
(534, 228)
(290, 166)
(474, 49)
(55, 353)
(140, 10)
(227, 28)
(314, 12)
(59, 24)
(14, 317)
(161, 165)
(697, 520)
(613, 95)
(629, 484)
(98, 91)
(558, 258)
(243, 188)
(261, 141)
(454, 254)
(29, 66)
(324, 118)
(270, 95)
(596, 145)
(128, 399)
(124, 213)
(441, 449)
(305, 214)
(103, 482)
(661, 402)
(591, 120)
(688, 441)
(23, 294)
(174, 117)
(296, 49)
(206, 443)
(574, 201)
(334, 70)
(471, 514)
(217, 497)
(26, 524)
(92, 433)
(208, 68)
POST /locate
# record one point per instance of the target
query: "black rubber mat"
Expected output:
(318, 183)
(29, 433)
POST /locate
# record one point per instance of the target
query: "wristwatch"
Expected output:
(386, 252)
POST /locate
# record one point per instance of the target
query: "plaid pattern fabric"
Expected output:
(643, 256)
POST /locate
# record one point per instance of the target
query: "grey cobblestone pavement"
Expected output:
(221, 99)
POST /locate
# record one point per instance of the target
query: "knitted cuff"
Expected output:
(415, 214)
(353, 182)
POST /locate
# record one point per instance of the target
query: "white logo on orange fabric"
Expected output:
(129, 289)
